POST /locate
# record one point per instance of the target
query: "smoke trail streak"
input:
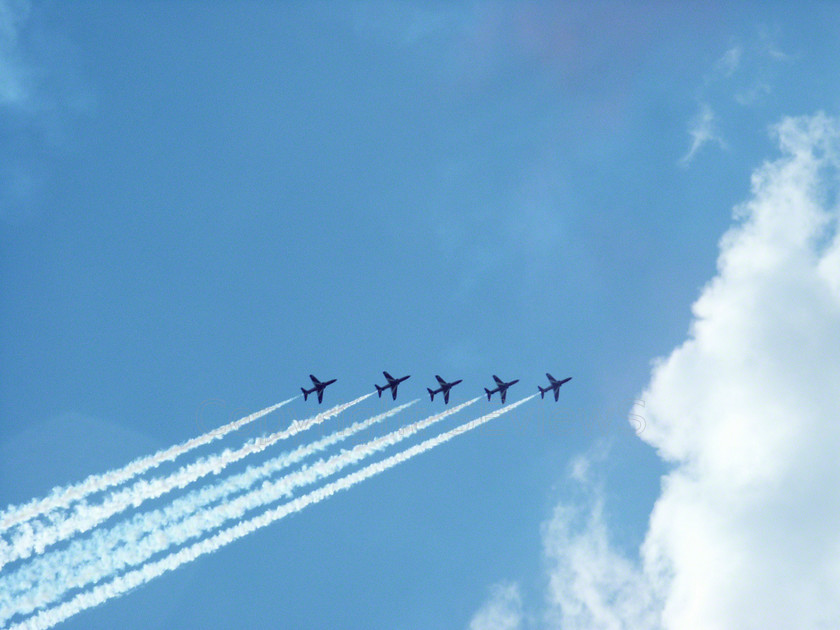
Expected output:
(106, 561)
(46, 579)
(149, 571)
(62, 497)
(36, 538)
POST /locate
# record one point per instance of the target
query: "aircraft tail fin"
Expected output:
(489, 393)
(431, 394)
(542, 391)
(305, 393)
(379, 390)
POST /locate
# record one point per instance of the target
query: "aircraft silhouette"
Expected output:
(501, 387)
(555, 385)
(393, 383)
(319, 387)
(444, 387)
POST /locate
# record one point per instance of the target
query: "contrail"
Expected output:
(151, 570)
(37, 537)
(62, 497)
(73, 566)
(62, 572)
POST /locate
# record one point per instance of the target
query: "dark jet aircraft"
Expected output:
(444, 387)
(555, 385)
(319, 387)
(501, 387)
(393, 383)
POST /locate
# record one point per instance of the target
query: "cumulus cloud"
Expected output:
(745, 533)
(502, 611)
(747, 411)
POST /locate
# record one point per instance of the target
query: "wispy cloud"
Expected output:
(591, 585)
(758, 64)
(13, 70)
(18, 183)
(730, 61)
(502, 611)
(702, 130)
(744, 533)
(406, 23)
(752, 93)
(40, 94)
(744, 74)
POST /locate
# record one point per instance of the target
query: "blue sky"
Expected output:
(202, 203)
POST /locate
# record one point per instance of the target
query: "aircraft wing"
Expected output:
(440, 380)
(320, 395)
(446, 397)
(394, 393)
(556, 394)
(503, 394)
(498, 380)
(315, 381)
(388, 376)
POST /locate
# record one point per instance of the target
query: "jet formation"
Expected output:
(392, 384)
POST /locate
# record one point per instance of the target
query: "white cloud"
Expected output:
(745, 532)
(503, 611)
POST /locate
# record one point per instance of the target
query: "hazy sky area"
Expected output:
(202, 203)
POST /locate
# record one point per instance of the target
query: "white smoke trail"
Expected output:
(63, 496)
(34, 539)
(27, 592)
(151, 570)
(46, 578)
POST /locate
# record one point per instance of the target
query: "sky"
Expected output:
(203, 203)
